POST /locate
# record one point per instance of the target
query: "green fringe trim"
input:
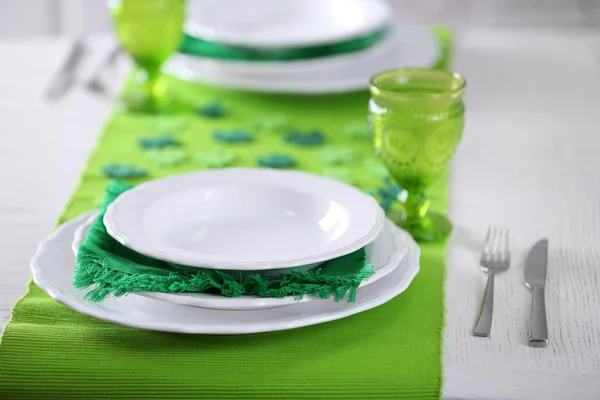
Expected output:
(116, 271)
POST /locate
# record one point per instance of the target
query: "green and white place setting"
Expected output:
(314, 220)
(245, 230)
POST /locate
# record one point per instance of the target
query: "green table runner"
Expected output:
(394, 351)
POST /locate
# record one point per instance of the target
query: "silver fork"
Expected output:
(495, 259)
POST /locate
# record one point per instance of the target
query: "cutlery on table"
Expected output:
(536, 268)
(65, 79)
(495, 259)
(95, 83)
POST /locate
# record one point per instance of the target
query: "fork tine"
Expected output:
(500, 245)
(488, 245)
(506, 250)
(497, 238)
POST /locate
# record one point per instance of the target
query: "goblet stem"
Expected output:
(147, 78)
(410, 212)
(146, 91)
(416, 203)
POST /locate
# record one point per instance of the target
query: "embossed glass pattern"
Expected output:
(417, 118)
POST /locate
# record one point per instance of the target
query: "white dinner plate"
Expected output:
(53, 265)
(408, 45)
(384, 253)
(244, 219)
(277, 24)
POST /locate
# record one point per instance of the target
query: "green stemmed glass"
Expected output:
(150, 31)
(417, 118)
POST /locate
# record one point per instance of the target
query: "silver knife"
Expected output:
(95, 83)
(536, 268)
(65, 78)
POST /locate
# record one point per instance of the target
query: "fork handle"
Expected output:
(483, 326)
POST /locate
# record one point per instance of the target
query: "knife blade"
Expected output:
(536, 269)
(65, 79)
(95, 84)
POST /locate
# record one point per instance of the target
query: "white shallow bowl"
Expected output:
(384, 254)
(408, 44)
(277, 24)
(244, 219)
(52, 270)
(82, 231)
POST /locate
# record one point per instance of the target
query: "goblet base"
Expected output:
(138, 104)
(430, 228)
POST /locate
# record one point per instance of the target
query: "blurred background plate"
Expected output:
(280, 24)
(411, 42)
(408, 45)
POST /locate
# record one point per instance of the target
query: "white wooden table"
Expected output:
(529, 161)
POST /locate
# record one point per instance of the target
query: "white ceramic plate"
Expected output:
(408, 45)
(277, 24)
(52, 270)
(244, 219)
(384, 253)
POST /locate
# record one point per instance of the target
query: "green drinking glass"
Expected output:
(417, 118)
(150, 31)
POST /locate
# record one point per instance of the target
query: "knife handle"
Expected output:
(538, 331)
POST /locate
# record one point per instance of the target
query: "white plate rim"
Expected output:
(253, 302)
(94, 310)
(379, 11)
(376, 221)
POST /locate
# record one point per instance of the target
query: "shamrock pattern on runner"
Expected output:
(337, 155)
(158, 142)
(233, 136)
(123, 171)
(216, 158)
(212, 110)
(276, 160)
(167, 157)
(269, 123)
(298, 138)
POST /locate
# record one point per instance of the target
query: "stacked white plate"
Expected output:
(243, 220)
(277, 24)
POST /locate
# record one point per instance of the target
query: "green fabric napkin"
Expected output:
(204, 48)
(49, 351)
(113, 269)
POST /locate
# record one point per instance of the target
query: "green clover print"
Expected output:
(217, 158)
(167, 157)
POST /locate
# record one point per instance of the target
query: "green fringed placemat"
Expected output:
(394, 351)
(112, 269)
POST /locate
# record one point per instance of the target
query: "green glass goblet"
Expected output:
(417, 118)
(150, 31)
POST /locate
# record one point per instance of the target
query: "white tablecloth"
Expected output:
(529, 161)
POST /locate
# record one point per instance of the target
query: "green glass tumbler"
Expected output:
(149, 31)
(417, 118)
